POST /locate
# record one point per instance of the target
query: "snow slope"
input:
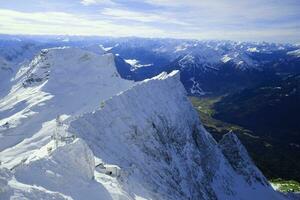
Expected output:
(59, 81)
(67, 173)
(148, 132)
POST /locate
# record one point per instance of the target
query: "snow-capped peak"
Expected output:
(59, 81)
(226, 58)
(252, 49)
(295, 53)
(152, 133)
(97, 49)
(164, 75)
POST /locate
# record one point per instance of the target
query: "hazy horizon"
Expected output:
(95, 37)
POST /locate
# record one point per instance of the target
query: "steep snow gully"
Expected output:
(72, 128)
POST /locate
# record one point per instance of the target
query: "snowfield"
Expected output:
(114, 139)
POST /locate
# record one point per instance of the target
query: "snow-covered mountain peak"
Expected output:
(74, 72)
(191, 62)
(153, 134)
(96, 48)
(66, 62)
(59, 81)
(164, 75)
(143, 132)
(213, 60)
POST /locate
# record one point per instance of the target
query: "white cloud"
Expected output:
(142, 16)
(94, 2)
(59, 23)
(228, 9)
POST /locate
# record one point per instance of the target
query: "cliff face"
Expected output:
(153, 134)
(239, 159)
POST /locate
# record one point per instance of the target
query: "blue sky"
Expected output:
(246, 20)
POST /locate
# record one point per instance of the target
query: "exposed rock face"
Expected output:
(239, 159)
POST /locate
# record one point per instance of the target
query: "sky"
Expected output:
(239, 20)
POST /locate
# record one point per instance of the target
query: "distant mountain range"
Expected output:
(207, 67)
